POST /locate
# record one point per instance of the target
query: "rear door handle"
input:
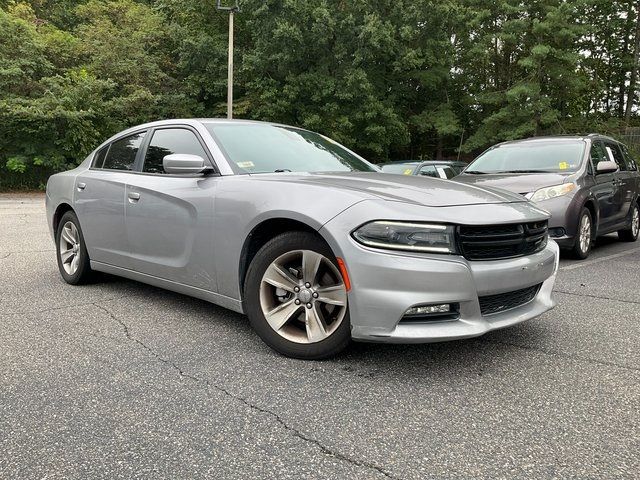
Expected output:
(81, 186)
(133, 197)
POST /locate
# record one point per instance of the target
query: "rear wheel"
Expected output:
(296, 299)
(73, 260)
(584, 237)
(631, 234)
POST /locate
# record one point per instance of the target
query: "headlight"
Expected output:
(552, 192)
(415, 237)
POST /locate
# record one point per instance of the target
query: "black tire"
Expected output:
(272, 250)
(83, 272)
(631, 234)
(581, 250)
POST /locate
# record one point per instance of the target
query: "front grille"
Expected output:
(501, 302)
(491, 242)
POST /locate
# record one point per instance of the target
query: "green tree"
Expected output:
(520, 61)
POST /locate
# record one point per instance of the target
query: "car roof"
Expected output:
(202, 121)
(442, 162)
(399, 162)
(559, 138)
(193, 122)
(425, 162)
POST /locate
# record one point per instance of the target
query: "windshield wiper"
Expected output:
(281, 170)
(475, 172)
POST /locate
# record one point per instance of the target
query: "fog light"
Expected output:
(429, 309)
(556, 232)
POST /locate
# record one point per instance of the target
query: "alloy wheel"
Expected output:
(303, 297)
(70, 248)
(635, 222)
(585, 233)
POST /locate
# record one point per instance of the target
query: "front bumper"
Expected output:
(565, 211)
(387, 283)
(384, 288)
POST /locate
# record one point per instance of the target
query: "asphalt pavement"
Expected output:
(121, 380)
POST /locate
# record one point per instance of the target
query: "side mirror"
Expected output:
(183, 163)
(606, 167)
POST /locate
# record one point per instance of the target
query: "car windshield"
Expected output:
(530, 157)
(402, 168)
(264, 148)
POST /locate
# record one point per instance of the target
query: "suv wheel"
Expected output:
(631, 234)
(584, 237)
(296, 299)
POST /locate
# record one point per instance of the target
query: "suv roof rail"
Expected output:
(602, 135)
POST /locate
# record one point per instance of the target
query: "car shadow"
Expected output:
(368, 360)
(607, 240)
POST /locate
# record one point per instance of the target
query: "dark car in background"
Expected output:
(589, 184)
(432, 168)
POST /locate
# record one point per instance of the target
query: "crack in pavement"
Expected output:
(297, 433)
(555, 353)
(73, 305)
(596, 296)
(30, 251)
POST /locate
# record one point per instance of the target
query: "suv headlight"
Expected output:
(414, 237)
(552, 192)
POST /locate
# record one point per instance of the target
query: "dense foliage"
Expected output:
(389, 78)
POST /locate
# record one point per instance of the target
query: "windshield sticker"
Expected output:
(245, 164)
(563, 165)
(408, 171)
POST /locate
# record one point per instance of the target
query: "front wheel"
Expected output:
(296, 299)
(631, 234)
(584, 238)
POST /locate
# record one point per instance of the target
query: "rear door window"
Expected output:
(631, 163)
(122, 153)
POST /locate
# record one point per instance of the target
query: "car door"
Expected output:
(623, 182)
(169, 217)
(604, 189)
(100, 200)
(632, 167)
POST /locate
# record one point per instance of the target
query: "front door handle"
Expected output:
(82, 186)
(133, 197)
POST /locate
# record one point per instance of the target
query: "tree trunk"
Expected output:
(634, 70)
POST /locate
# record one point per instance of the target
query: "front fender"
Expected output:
(242, 203)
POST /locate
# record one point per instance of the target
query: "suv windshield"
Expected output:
(264, 148)
(530, 157)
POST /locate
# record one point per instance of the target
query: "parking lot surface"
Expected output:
(121, 380)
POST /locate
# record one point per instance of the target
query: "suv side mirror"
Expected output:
(606, 167)
(183, 163)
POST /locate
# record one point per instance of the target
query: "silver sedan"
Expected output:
(308, 239)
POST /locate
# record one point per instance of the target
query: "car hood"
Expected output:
(428, 191)
(521, 183)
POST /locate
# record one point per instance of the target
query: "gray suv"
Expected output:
(588, 183)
